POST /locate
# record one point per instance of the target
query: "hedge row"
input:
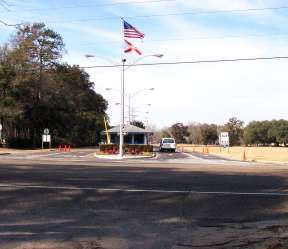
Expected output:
(128, 148)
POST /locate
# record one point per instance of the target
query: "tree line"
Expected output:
(267, 132)
(256, 133)
(38, 91)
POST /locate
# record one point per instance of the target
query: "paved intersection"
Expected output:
(87, 155)
(173, 201)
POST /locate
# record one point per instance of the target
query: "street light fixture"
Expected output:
(88, 56)
(143, 57)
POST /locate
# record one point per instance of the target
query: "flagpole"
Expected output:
(123, 60)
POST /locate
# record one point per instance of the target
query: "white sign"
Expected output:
(224, 139)
(46, 131)
(46, 138)
(1, 127)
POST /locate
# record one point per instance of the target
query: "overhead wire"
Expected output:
(199, 12)
(191, 62)
(6, 2)
(9, 24)
(190, 38)
(96, 5)
(195, 12)
(4, 5)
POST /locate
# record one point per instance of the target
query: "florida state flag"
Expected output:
(131, 48)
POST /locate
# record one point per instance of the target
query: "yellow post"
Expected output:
(107, 133)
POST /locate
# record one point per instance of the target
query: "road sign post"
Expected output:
(1, 127)
(46, 138)
(224, 139)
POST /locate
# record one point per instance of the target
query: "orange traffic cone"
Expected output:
(65, 148)
(244, 158)
(59, 148)
(69, 148)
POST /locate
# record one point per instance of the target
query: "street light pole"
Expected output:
(121, 142)
(129, 107)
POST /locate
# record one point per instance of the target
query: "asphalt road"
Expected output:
(136, 205)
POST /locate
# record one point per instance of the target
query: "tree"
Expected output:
(278, 132)
(35, 49)
(179, 132)
(37, 92)
(137, 123)
(256, 132)
(77, 109)
(195, 135)
(37, 46)
(235, 129)
(209, 133)
(159, 134)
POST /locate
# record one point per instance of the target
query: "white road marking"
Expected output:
(44, 155)
(193, 157)
(275, 194)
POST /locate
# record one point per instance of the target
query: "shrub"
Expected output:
(128, 148)
(21, 143)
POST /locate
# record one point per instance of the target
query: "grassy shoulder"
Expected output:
(261, 154)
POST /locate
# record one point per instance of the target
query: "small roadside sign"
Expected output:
(46, 138)
(46, 131)
(1, 127)
(224, 139)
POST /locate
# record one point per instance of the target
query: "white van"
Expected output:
(167, 144)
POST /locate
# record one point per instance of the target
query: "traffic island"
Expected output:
(111, 151)
(102, 155)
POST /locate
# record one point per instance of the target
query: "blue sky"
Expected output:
(205, 29)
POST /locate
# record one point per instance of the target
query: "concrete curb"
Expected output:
(4, 153)
(116, 157)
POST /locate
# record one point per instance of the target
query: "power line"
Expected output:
(192, 62)
(191, 38)
(8, 24)
(5, 5)
(97, 5)
(219, 37)
(200, 12)
(211, 12)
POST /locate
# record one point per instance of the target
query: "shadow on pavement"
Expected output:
(131, 220)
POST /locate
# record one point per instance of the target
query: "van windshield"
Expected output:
(168, 141)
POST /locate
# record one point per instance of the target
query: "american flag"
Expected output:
(131, 32)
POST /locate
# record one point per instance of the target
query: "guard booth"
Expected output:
(133, 135)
